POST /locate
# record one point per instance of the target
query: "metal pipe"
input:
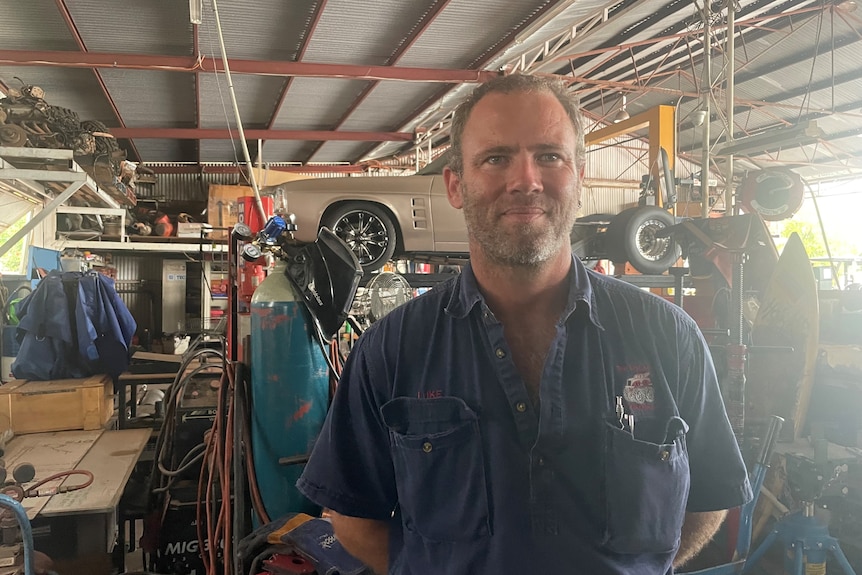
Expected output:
(26, 530)
(243, 143)
(706, 92)
(730, 69)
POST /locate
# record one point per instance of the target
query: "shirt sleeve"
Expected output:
(719, 479)
(350, 470)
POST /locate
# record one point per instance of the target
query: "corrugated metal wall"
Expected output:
(139, 283)
(184, 187)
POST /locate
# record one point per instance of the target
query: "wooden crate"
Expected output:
(29, 406)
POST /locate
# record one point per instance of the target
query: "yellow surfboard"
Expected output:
(783, 350)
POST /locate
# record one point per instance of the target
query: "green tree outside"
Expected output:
(12, 261)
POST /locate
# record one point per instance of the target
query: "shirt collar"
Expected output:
(466, 295)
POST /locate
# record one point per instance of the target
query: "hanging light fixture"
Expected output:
(622, 114)
(801, 134)
(195, 11)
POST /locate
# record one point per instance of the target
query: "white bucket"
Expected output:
(6, 367)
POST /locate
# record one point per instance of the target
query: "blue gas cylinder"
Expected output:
(289, 391)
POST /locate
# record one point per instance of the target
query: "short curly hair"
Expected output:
(507, 85)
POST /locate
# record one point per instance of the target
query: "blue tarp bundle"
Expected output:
(73, 325)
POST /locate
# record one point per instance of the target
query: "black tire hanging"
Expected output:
(367, 229)
(631, 237)
(104, 146)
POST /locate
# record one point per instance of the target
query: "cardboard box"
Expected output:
(222, 208)
(31, 406)
(194, 230)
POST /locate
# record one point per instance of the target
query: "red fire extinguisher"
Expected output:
(250, 276)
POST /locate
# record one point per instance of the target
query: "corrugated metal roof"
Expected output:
(34, 25)
(467, 30)
(317, 103)
(257, 30)
(134, 92)
(163, 28)
(256, 96)
(365, 33)
(162, 150)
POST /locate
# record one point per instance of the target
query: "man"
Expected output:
(529, 416)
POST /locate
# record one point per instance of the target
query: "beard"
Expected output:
(527, 244)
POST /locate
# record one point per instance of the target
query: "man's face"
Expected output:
(520, 184)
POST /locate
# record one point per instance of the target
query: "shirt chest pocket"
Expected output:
(646, 490)
(439, 467)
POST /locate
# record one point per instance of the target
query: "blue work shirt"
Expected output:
(432, 429)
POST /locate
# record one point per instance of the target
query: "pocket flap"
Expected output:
(415, 416)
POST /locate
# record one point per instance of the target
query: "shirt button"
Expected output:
(541, 462)
(521, 406)
(665, 455)
(501, 353)
(427, 447)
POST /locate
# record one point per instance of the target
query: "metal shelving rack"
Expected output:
(49, 178)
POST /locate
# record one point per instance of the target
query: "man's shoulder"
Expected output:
(612, 293)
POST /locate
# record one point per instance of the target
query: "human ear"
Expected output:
(453, 188)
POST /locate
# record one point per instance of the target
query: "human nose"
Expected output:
(525, 175)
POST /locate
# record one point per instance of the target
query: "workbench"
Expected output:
(79, 522)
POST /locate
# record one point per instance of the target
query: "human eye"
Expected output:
(495, 160)
(550, 157)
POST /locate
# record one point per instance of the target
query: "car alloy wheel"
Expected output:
(367, 230)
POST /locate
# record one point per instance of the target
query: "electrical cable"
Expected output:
(186, 463)
(159, 482)
(214, 514)
(254, 491)
(166, 436)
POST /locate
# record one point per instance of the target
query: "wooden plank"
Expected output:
(49, 453)
(149, 355)
(111, 460)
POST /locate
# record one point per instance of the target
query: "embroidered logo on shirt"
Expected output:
(327, 541)
(639, 392)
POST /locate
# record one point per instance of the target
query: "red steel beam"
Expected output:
(79, 40)
(66, 59)
(224, 134)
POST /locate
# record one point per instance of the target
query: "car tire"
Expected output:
(631, 237)
(368, 231)
(104, 146)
